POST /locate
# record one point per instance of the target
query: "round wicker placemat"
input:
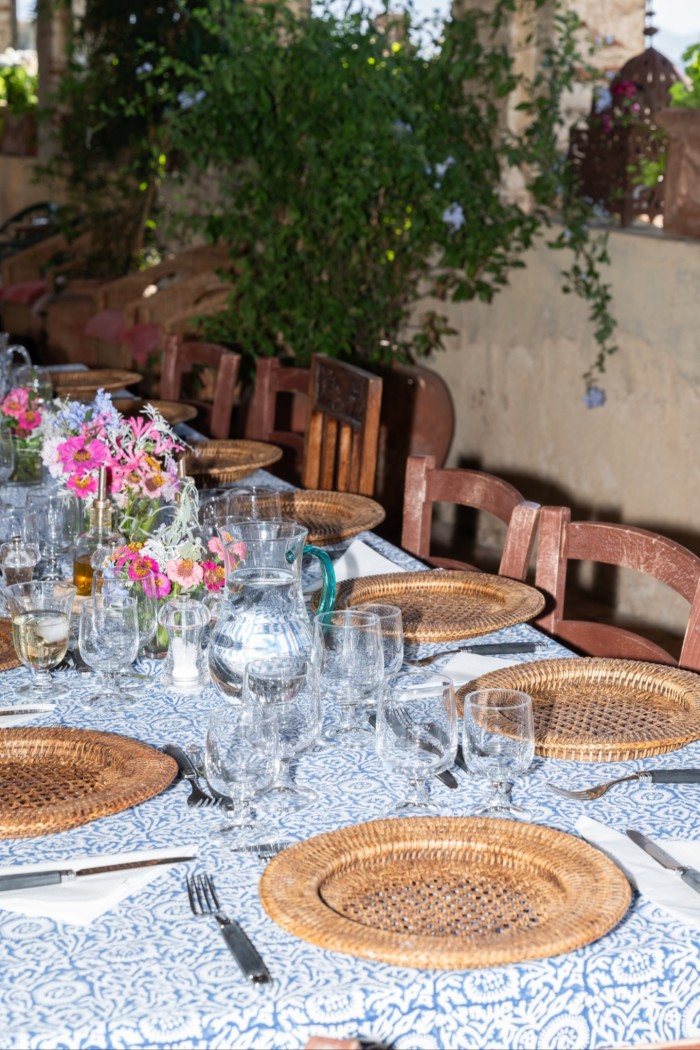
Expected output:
(214, 463)
(85, 382)
(445, 893)
(446, 606)
(331, 517)
(8, 653)
(598, 710)
(53, 779)
(173, 412)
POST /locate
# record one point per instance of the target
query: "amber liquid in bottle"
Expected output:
(82, 574)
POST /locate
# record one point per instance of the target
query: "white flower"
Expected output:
(454, 216)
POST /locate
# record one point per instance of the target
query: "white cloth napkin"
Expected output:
(359, 560)
(23, 718)
(84, 899)
(463, 667)
(660, 885)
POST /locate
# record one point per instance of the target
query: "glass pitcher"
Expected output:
(7, 353)
(263, 614)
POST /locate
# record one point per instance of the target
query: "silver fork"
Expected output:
(587, 794)
(204, 901)
(197, 797)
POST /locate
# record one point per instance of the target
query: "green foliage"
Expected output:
(688, 95)
(18, 89)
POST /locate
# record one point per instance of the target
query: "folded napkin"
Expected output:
(358, 560)
(658, 884)
(84, 899)
(463, 667)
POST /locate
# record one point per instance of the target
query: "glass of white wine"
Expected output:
(40, 613)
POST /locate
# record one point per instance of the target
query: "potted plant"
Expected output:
(18, 103)
(681, 174)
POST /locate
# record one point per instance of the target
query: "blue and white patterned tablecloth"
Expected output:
(147, 974)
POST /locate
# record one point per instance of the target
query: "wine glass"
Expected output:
(391, 627)
(54, 518)
(251, 503)
(40, 612)
(347, 646)
(290, 688)
(7, 454)
(498, 744)
(240, 762)
(109, 642)
(114, 580)
(417, 734)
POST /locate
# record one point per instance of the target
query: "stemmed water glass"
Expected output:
(391, 627)
(240, 762)
(347, 647)
(40, 612)
(115, 581)
(54, 518)
(289, 687)
(109, 642)
(498, 744)
(417, 734)
(7, 455)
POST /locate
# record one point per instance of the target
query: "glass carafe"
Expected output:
(263, 613)
(7, 355)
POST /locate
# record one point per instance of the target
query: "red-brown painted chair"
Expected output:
(179, 358)
(562, 540)
(277, 412)
(427, 485)
(342, 429)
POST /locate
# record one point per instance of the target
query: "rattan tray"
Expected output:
(445, 893)
(446, 606)
(597, 710)
(214, 463)
(331, 517)
(83, 384)
(8, 653)
(53, 779)
(173, 412)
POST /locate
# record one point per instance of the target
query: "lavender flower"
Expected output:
(594, 396)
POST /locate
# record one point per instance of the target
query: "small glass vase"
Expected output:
(28, 468)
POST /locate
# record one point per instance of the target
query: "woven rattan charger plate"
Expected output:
(8, 653)
(53, 779)
(331, 517)
(447, 606)
(445, 893)
(600, 710)
(214, 463)
(173, 412)
(84, 383)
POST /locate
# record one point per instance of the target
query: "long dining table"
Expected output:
(147, 973)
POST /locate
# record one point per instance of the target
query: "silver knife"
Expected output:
(29, 879)
(7, 712)
(689, 875)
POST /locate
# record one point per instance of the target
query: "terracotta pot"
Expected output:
(682, 177)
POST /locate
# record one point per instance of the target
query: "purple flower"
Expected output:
(594, 396)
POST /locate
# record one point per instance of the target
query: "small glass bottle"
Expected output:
(185, 668)
(101, 538)
(18, 560)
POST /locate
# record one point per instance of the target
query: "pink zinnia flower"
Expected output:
(82, 484)
(142, 567)
(80, 455)
(185, 571)
(214, 575)
(156, 586)
(216, 547)
(130, 552)
(29, 419)
(16, 402)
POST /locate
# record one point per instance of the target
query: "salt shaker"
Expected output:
(185, 668)
(18, 560)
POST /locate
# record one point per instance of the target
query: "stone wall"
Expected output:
(515, 368)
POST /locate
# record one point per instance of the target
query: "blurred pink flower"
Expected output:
(82, 484)
(185, 571)
(78, 453)
(157, 586)
(16, 402)
(214, 575)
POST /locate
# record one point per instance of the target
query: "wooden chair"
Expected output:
(562, 540)
(342, 429)
(180, 357)
(277, 412)
(427, 485)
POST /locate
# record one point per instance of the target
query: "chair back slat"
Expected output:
(180, 357)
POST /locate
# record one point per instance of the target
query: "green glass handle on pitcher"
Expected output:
(327, 600)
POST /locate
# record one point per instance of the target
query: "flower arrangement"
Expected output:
(140, 456)
(21, 412)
